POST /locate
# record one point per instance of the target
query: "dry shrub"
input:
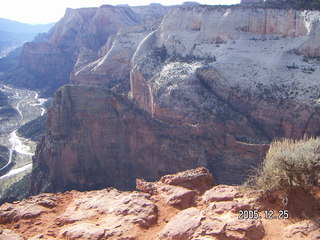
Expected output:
(290, 163)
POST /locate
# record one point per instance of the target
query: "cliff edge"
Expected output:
(182, 206)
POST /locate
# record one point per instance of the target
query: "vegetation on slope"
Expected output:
(11, 61)
(15, 189)
(6, 110)
(34, 129)
(4, 156)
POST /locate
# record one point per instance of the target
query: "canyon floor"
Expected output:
(28, 106)
(186, 205)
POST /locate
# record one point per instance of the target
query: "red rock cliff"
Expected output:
(215, 84)
(96, 138)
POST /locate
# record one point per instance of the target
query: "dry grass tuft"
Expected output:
(289, 163)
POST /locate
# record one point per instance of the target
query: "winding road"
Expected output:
(29, 106)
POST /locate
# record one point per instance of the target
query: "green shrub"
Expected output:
(290, 163)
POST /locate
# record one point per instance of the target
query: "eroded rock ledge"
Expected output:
(178, 207)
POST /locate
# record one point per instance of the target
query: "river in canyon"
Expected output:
(28, 106)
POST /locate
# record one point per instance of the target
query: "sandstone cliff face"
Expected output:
(196, 27)
(270, 108)
(48, 65)
(215, 84)
(112, 66)
(96, 138)
(177, 207)
(90, 27)
(242, 58)
(112, 34)
(79, 44)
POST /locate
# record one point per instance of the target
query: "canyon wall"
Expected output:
(88, 45)
(202, 26)
(84, 37)
(97, 138)
(248, 58)
(209, 86)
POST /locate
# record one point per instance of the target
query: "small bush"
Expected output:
(290, 163)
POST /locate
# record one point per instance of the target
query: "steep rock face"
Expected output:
(84, 30)
(203, 61)
(215, 84)
(204, 25)
(87, 41)
(95, 138)
(91, 27)
(151, 12)
(42, 66)
(112, 66)
(311, 46)
(52, 59)
(271, 108)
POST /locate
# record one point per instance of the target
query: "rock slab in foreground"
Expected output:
(113, 214)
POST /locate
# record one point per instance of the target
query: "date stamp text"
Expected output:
(267, 214)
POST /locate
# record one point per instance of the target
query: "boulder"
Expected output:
(196, 179)
(82, 230)
(31, 208)
(177, 196)
(147, 187)
(182, 226)
(134, 208)
(6, 234)
(222, 193)
(306, 229)
(245, 229)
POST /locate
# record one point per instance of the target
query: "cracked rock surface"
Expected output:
(114, 214)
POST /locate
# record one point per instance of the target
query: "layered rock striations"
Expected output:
(252, 60)
(82, 37)
(205, 25)
(211, 86)
(88, 45)
(110, 66)
(97, 138)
